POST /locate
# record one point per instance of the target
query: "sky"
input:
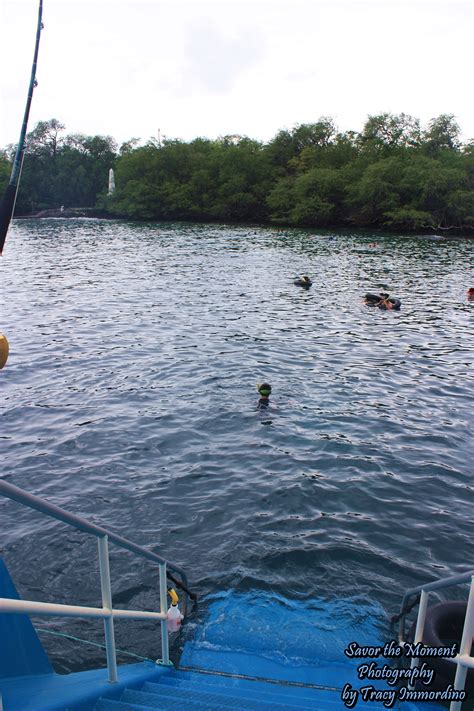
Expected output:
(183, 69)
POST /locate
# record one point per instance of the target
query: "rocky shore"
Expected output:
(66, 212)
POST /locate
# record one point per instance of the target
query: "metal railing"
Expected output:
(106, 612)
(464, 659)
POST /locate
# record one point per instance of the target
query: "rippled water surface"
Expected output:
(129, 398)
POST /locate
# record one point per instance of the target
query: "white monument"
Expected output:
(111, 182)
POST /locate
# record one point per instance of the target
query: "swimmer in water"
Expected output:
(264, 390)
(303, 281)
(384, 302)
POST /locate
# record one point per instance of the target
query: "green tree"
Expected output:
(287, 145)
(376, 192)
(443, 133)
(313, 198)
(63, 170)
(45, 138)
(281, 200)
(5, 171)
(385, 132)
(242, 177)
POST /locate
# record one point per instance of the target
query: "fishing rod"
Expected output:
(8, 203)
(9, 198)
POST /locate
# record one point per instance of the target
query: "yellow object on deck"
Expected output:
(173, 596)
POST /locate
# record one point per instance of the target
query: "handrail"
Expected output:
(35, 502)
(439, 584)
(30, 607)
(107, 613)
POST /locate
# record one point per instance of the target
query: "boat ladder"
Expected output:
(464, 659)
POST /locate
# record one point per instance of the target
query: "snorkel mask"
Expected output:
(264, 389)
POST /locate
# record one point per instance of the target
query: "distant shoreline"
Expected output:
(93, 212)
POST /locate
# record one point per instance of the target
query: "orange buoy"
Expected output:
(3, 350)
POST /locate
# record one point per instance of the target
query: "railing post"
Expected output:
(465, 647)
(165, 656)
(107, 605)
(420, 626)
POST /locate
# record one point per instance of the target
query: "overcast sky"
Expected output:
(249, 67)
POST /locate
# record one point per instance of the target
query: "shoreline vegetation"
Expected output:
(393, 175)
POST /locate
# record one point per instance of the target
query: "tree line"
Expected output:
(394, 174)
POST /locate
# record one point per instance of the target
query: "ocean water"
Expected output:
(130, 398)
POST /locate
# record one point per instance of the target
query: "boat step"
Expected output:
(230, 697)
(292, 698)
(168, 704)
(113, 705)
(206, 700)
(233, 680)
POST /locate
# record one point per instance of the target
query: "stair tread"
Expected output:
(145, 701)
(264, 686)
(294, 695)
(162, 704)
(203, 697)
(326, 699)
(114, 705)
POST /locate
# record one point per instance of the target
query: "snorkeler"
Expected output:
(264, 390)
(383, 301)
(303, 281)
